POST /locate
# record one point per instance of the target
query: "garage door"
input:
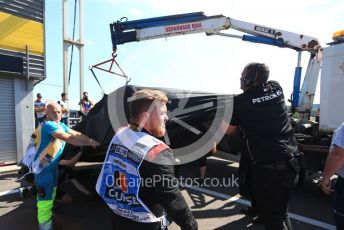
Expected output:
(8, 149)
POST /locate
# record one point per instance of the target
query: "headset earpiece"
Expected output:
(252, 77)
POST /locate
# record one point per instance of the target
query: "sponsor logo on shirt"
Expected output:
(267, 97)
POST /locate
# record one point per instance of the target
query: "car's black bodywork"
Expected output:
(193, 109)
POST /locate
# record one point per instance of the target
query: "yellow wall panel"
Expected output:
(17, 32)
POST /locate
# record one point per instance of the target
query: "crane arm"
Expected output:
(183, 24)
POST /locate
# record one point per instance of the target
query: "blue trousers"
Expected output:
(46, 183)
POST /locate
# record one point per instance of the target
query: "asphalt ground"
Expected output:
(215, 207)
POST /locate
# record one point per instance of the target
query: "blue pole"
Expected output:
(297, 83)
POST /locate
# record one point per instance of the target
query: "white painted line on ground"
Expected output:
(248, 203)
(312, 221)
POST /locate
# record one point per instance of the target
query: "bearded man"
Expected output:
(137, 180)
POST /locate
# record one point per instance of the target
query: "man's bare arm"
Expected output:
(76, 138)
(334, 161)
(71, 162)
(228, 129)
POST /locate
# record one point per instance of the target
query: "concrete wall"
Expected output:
(24, 114)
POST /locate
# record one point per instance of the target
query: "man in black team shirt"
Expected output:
(269, 144)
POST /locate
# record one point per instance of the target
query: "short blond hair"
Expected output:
(142, 100)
